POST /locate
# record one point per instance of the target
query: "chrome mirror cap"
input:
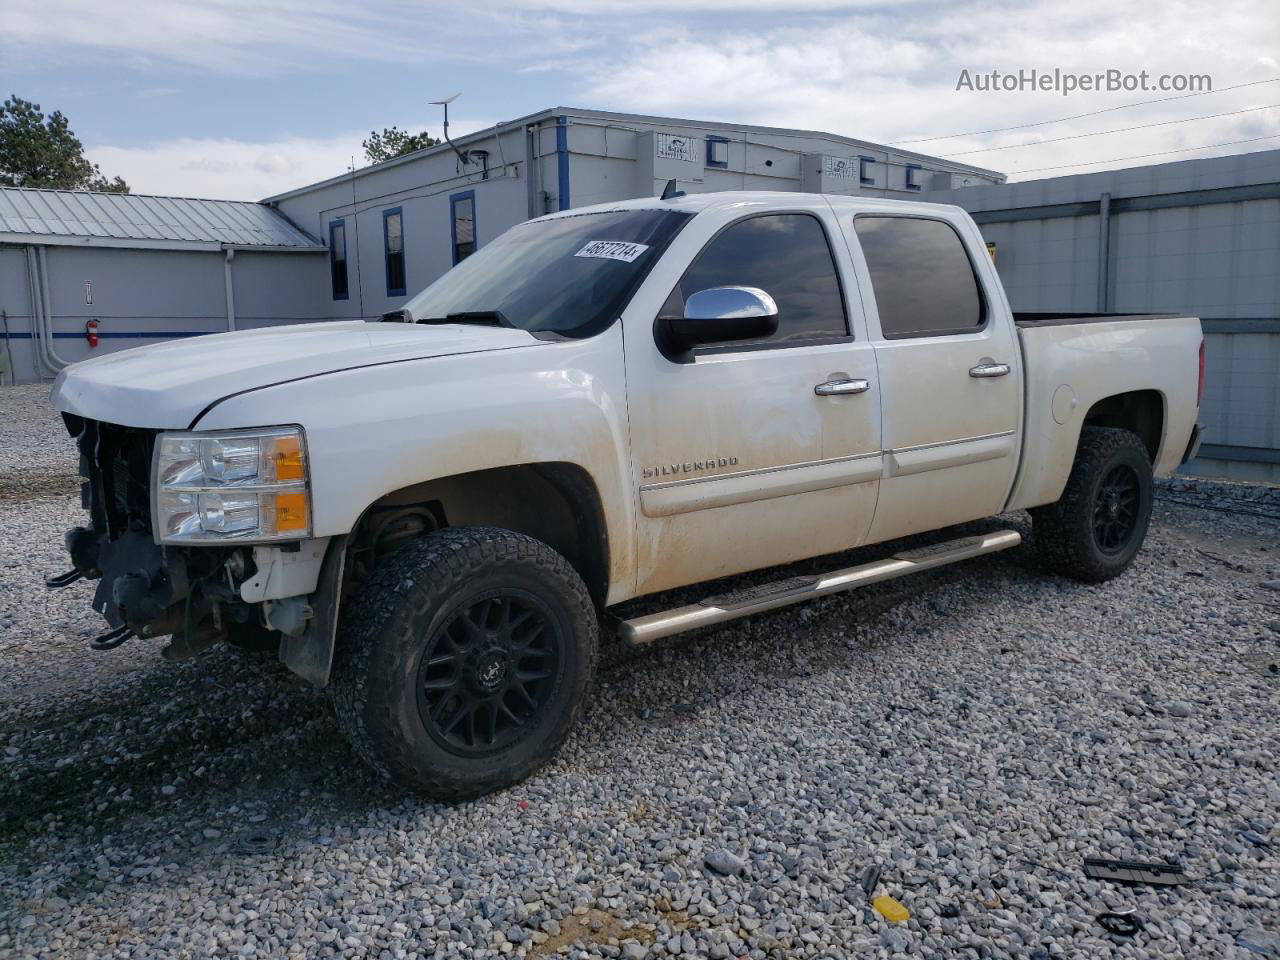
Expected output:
(730, 303)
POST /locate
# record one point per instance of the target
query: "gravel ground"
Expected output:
(974, 733)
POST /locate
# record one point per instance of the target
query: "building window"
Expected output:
(718, 152)
(338, 258)
(863, 176)
(911, 176)
(462, 212)
(393, 247)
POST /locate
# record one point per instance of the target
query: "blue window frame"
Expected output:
(911, 176)
(338, 259)
(393, 250)
(462, 224)
(863, 176)
(717, 151)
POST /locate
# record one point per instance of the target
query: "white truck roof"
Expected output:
(698, 202)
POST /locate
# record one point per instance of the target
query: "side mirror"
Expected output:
(724, 313)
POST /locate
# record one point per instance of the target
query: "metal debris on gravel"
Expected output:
(882, 727)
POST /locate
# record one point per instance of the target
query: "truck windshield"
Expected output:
(569, 276)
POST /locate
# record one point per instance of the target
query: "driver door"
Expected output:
(739, 461)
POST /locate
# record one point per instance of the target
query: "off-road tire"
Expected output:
(1064, 534)
(387, 629)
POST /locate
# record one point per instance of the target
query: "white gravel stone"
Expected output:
(975, 733)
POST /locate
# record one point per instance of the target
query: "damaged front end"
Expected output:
(247, 593)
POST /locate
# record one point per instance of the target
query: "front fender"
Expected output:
(371, 431)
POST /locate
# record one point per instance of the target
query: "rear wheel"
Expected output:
(1097, 528)
(464, 663)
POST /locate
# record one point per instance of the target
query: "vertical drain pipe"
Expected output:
(39, 357)
(57, 362)
(231, 293)
(8, 348)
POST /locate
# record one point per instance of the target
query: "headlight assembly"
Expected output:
(242, 485)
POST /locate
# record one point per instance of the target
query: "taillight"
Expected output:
(1200, 384)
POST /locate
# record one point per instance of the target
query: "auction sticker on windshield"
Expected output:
(622, 250)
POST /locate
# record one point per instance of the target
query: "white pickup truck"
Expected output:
(431, 513)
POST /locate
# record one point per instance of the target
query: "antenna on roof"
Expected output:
(669, 192)
(464, 156)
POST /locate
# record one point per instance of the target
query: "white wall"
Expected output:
(148, 296)
(15, 301)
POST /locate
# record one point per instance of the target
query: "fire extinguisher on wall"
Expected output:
(91, 332)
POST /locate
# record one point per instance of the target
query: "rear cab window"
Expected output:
(921, 275)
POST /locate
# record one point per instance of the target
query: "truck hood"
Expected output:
(168, 385)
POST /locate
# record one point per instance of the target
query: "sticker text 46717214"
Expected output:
(623, 250)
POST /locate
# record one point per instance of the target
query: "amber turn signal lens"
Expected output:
(286, 458)
(291, 512)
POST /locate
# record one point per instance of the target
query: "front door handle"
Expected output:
(989, 370)
(835, 388)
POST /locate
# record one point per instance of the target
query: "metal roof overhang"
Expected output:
(128, 243)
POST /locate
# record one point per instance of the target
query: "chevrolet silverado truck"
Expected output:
(432, 513)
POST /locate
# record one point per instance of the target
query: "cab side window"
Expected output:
(788, 257)
(922, 277)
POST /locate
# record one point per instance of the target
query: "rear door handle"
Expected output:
(989, 370)
(834, 388)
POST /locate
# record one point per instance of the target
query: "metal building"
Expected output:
(1195, 236)
(149, 268)
(394, 227)
(85, 273)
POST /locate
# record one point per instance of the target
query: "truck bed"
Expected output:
(1072, 361)
(1065, 319)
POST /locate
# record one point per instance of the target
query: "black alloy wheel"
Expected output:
(487, 672)
(1115, 508)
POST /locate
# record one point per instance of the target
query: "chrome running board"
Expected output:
(783, 593)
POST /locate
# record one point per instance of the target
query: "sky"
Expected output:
(240, 100)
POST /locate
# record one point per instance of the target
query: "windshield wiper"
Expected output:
(495, 318)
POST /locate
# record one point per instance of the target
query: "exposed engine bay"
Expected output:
(144, 588)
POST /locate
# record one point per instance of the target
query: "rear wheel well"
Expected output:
(1140, 412)
(556, 503)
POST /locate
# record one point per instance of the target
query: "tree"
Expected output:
(393, 142)
(39, 151)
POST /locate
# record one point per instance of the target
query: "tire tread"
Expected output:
(428, 570)
(1063, 530)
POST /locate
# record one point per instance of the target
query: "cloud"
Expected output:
(222, 169)
(268, 37)
(229, 169)
(885, 77)
(862, 68)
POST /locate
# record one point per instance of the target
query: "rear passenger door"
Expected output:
(950, 371)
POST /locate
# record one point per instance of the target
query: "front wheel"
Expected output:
(465, 661)
(1096, 529)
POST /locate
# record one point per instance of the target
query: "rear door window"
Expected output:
(921, 275)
